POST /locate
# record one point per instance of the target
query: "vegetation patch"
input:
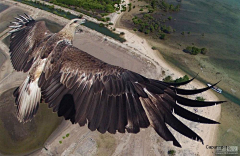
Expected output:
(161, 5)
(178, 80)
(199, 98)
(93, 8)
(171, 152)
(194, 50)
(152, 24)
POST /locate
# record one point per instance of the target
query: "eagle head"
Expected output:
(69, 30)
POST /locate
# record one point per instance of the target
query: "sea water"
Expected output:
(214, 24)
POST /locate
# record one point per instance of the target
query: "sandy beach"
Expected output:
(137, 55)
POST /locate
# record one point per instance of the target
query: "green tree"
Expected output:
(182, 79)
(162, 36)
(154, 48)
(199, 98)
(204, 51)
(188, 49)
(147, 31)
(171, 152)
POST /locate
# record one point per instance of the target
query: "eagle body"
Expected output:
(86, 90)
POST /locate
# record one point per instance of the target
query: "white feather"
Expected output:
(30, 94)
(28, 100)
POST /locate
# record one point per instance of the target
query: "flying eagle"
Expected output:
(86, 90)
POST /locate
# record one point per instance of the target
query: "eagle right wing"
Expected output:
(26, 36)
(89, 91)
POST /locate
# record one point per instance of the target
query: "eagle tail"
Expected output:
(27, 98)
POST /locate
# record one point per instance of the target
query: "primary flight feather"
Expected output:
(86, 90)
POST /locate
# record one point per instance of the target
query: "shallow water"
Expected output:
(219, 20)
(9, 17)
(3, 7)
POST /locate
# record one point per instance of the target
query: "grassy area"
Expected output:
(49, 8)
(68, 15)
(93, 7)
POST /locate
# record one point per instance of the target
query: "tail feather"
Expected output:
(27, 96)
(192, 92)
(195, 103)
(157, 121)
(159, 109)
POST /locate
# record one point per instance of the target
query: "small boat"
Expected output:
(215, 88)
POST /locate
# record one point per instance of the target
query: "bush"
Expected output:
(199, 98)
(141, 9)
(101, 25)
(67, 135)
(103, 19)
(170, 18)
(80, 16)
(162, 36)
(182, 79)
(178, 80)
(188, 49)
(171, 152)
(168, 79)
(194, 50)
(154, 48)
(122, 33)
(204, 51)
(134, 29)
(147, 31)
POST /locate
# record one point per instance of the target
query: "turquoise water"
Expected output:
(219, 21)
(103, 30)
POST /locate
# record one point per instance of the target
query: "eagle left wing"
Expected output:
(25, 38)
(85, 89)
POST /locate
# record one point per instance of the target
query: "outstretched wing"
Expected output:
(26, 36)
(86, 90)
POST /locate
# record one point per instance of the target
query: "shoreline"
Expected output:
(145, 51)
(155, 55)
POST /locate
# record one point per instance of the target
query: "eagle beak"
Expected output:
(82, 21)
